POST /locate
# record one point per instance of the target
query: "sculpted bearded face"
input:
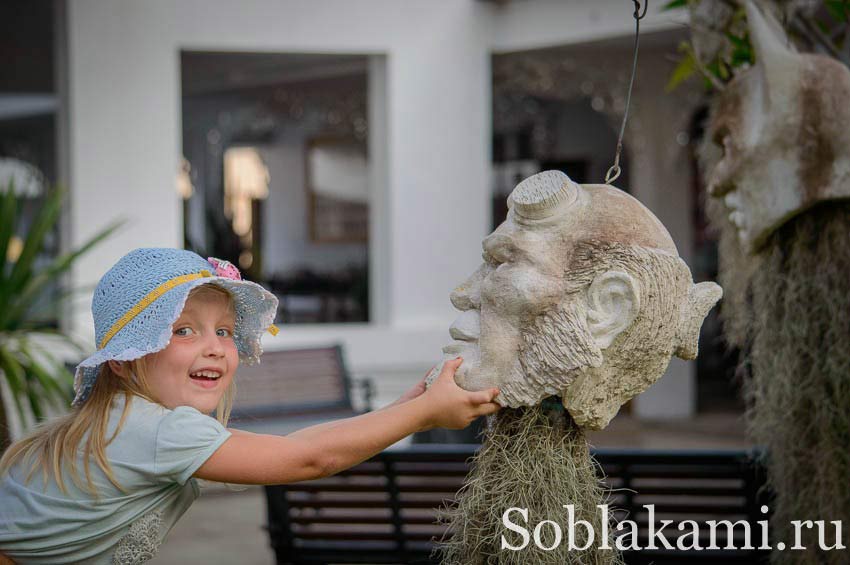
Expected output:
(782, 127)
(581, 294)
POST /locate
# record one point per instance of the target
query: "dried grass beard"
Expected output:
(535, 458)
(788, 312)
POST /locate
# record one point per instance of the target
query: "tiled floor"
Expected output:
(225, 527)
(222, 527)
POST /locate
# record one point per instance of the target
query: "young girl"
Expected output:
(106, 483)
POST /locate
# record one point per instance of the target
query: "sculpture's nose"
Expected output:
(732, 200)
(467, 326)
(719, 185)
(467, 295)
(720, 180)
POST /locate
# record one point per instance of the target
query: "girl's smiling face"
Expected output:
(198, 365)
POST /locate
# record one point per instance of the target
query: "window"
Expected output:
(276, 175)
(552, 111)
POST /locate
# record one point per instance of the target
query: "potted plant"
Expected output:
(34, 377)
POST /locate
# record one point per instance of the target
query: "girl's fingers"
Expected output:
(487, 408)
(484, 396)
(450, 366)
(453, 363)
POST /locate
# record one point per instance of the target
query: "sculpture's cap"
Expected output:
(537, 196)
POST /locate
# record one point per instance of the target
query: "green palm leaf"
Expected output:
(8, 209)
(43, 223)
(37, 283)
(16, 378)
(36, 379)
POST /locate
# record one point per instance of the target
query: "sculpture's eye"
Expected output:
(498, 249)
(721, 138)
(490, 260)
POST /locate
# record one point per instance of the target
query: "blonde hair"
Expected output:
(54, 444)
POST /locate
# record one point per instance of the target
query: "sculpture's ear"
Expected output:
(770, 44)
(613, 303)
(768, 38)
(701, 298)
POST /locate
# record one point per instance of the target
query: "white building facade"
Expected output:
(430, 130)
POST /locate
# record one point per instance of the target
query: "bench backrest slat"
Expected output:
(393, 497)
(292, 383)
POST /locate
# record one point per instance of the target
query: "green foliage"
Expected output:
(685, 69)
(826, 31)
(742, 51)
(674, 4)
(839, 10)
(35, 377)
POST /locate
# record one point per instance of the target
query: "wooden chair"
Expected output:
(295, 388)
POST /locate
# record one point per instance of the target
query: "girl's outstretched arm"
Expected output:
(418, 389)
(248, 458)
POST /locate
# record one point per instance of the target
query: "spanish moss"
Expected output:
(535, 458)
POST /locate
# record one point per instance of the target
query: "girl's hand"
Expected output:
(326, 449)
(452, 407)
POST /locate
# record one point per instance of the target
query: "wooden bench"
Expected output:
(295, 388)
(383, 510)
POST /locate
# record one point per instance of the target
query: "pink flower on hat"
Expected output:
(224, 269)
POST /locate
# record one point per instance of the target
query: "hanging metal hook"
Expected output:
(615, 169)
(614, 172)
(637, 14)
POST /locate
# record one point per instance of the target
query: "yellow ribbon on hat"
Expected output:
(150, 297)
(147, 300)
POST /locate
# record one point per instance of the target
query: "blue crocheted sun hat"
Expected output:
(138, 300)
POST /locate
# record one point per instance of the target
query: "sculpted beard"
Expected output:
(557, 347)
(554, 347)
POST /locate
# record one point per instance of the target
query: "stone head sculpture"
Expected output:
(783, 127)
(582, 295)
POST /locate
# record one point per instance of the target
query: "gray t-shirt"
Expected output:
(153, 458)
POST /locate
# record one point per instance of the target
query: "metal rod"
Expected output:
(615, 170)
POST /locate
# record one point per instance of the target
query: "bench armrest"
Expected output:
(366, 388)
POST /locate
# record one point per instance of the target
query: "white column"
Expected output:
(124, 94)
(439, 111)
(380, 234)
